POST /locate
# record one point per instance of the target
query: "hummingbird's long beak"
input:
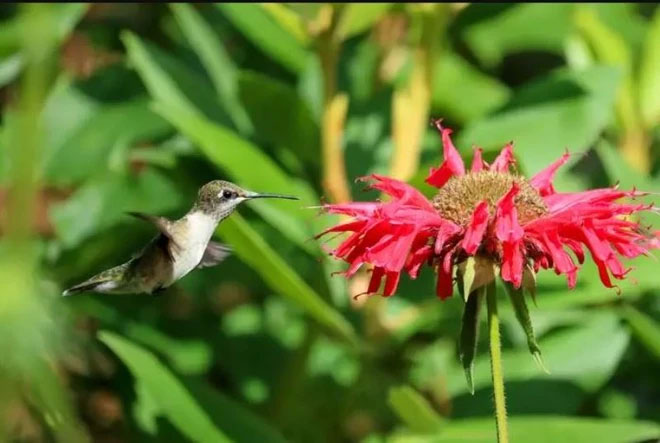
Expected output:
(251, 195)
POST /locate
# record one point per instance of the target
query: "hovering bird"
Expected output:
(180, 246)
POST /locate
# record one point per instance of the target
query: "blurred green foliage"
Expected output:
(108, 108)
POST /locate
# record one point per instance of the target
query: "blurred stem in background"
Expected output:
(27, 326)
(411, 102)
(335, 106)
(610, 48)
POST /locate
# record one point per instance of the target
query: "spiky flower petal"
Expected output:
(518, 225)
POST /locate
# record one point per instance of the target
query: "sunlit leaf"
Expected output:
(220, 67)
(495, 30)
(585, 355)
(251, 168)
(254, 251)
(266, 34)
(649, 74)
(565, 111)
(541, 430)
(359, 17)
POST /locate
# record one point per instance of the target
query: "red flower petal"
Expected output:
(476, 229)
(507, 227)
(543, 180)
(478, 164)
(510, 233)
(453, 163)
(391, 283)
(504, 159)
(374, 282)
(444, 283)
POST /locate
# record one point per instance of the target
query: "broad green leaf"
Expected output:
(9, 68)
(644, 328)
(249, 167)
(288, 19)
(522, 315)
(462, 92)
(159, 84)
(359, 17)
(266, 34)
(649, 74)
(618, 170)
(187, 356)
(169, 80)
(414, 410)
(610, 48)
(102, 202)
(279, 116)
(78, 148)
(470, 335)
(544, 118)
(542, 429)
(219, 66)
(495, 30)
(467, 277)
(165, 392)
(238, 422)
(254, 251)
(585, 355)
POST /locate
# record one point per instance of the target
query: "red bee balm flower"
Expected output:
(518, 224)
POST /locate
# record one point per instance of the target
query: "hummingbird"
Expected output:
(179, 247)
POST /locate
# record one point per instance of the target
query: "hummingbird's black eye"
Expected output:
(227, 194)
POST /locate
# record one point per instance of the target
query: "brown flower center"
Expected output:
(457, 199)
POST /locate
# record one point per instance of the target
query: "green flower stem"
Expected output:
(496, 364)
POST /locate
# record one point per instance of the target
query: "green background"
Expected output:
(113, 108)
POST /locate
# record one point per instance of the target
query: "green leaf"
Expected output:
(644, 328)
(470, 336)
(492, 31)
(165, 392)
(463, 92)
(467, 277)
(254, 251)
(565, 110)
(103, 201)
(279, 116)
(585, 355)
(266, 34)
(542, 429)
(522, 315)
(359, 17)
(238, 422)
(9, 68)
(159, 84)
(249, 167)
(414, 410)
(649, 77)
(219, 66)
(619, 171)
(610, 48)
(81, 151)
(288, 19)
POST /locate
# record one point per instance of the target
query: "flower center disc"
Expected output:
(457, 199)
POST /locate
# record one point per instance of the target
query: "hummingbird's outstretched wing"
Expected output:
(162, 224)
(215, 252)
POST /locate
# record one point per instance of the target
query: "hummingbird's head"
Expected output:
(219, 198)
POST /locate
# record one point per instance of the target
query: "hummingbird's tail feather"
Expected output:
(106, 281)
(82, 287)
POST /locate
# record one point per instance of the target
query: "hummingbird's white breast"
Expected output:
(192, 239)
